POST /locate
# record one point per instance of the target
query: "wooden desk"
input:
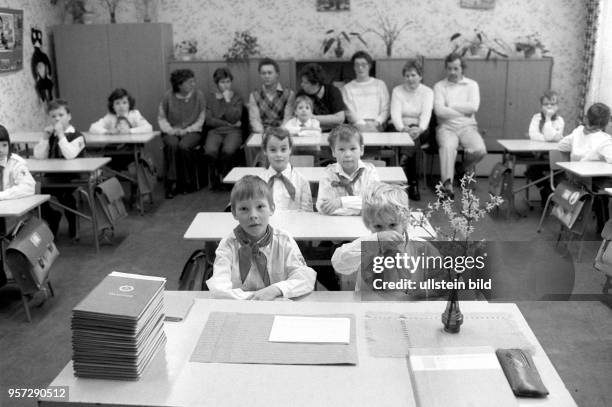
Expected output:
(27, 139)
(172, 380)
(88, 166)
(608, 191)
(214, 226)
(136, 142)
(393, 175)
(514, 146)
(587, 169)
(394, 140)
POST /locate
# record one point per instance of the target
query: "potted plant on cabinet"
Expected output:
(333, 37)
(530, 45)
(478, 46)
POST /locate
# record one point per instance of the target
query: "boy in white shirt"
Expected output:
(341, 188)
(256, 261)
(386, 214)
(289, 188)
(303, 124)
(15, 178)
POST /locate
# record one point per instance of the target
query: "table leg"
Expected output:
(250, 154)
(94, 219)
(138, 191)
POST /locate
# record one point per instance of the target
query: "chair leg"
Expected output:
(50, 289)
(607, 284)
(26, 306)
(544, 212)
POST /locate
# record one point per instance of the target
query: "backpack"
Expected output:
(570, 204)
(196, 271)
(109, 202)
(145, 174)
(501, 184)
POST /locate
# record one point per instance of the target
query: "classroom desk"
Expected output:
(587, 169)
(395, 140)
(214, 226)
(172, 380)
(393, 175)
(87, 166)
(26, 138)
(136, 143)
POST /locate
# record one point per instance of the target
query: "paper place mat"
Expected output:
(391, 335)
(230, 337)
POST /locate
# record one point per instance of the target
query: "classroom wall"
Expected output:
(20, 108)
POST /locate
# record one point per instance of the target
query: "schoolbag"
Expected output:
(145, 174)
(109, 203)
(500, 184)
(570, 204)
(196, 271)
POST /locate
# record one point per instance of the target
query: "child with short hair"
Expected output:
(304, 123)
(590, 142)
(15, 178)
(289, 188)
(342, 187)
(386, 214)
(60, 140)
(120, 109)
(257, 261)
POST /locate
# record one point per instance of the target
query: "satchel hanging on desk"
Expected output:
(109, 202)
(570, 204)
(145, 174)
(31, 254)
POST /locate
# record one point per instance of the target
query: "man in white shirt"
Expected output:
(456, 101)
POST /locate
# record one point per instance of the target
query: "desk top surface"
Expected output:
(587, 168)
(214, 226)
(139, 138)
(60, 165)
(314, 174)
(172, 380)
(526, 145)
(369, 139)
(18, 207)
(27, 137)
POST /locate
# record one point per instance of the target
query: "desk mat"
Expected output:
(392, 335)
(230, 337)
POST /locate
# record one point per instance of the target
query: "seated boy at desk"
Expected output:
(344, 183)
(289, 188)
(15, 178)
(304, 123)
(256, 261)
(386, 214)
(60, 140)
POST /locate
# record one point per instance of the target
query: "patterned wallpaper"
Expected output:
(294, 29)
(20, 108)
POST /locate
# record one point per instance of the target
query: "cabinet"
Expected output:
(92, 60)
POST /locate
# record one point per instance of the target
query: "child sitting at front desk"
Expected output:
(304, 123)
(257, 261)
(15, 178)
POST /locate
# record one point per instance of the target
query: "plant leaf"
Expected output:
(455, 36)
(328, 44)
(329, 31)
(346, 37)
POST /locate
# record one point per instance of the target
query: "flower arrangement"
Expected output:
(76, 8)
(186, 49)
(530, 45)
(477, 45)
(389, 31)
(243, 47)
(338, 37)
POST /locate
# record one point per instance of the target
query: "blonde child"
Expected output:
(289, 188)
(303, 123)
(256, 261)
(15, 178)
(121, 105)
(386, 214)
(342, 187)
(546, 125)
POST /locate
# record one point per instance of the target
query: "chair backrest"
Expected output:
(302, 160)
(376, 163)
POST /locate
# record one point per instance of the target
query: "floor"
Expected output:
(576, 334)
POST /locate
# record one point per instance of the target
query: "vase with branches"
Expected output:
(111, 5)
(478, 44)
(388, 31)
(455, 239)
(76, 9)
(244, 46)
(333, 37)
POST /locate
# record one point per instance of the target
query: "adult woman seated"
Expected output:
(181, 115)
(366, 98)
(411, 107)
(328, 106)
(223, 119)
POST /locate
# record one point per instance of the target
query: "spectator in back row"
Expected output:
(328, 106)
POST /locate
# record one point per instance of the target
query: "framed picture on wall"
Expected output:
(477, 4)
(11, 40)
(333, 5)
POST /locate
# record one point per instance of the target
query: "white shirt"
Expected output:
(286, 267)
(282, 199)
(108, 123)
(351, 205)
(297, 128)
(16, 179)
(552, 130)
(367, 100)
(450, 96)
(587, 147)
(69, 150)
(411, 107)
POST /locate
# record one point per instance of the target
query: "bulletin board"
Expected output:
(11, 40)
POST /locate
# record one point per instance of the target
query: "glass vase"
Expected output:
(452, 318)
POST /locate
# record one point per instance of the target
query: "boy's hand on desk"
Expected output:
(330, 205)
(267, 294)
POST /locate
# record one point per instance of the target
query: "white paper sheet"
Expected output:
(310, 329)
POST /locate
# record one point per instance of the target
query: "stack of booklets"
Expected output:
(119, 327)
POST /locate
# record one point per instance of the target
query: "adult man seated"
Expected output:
(328, 106)
(271, 105)
(456, 101)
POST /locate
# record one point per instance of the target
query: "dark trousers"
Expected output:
(53, 216)
(221, 146)
(410, 165)
(178, 154)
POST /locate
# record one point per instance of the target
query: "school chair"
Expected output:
(554, 156)
(302, 160)
(603, 259)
